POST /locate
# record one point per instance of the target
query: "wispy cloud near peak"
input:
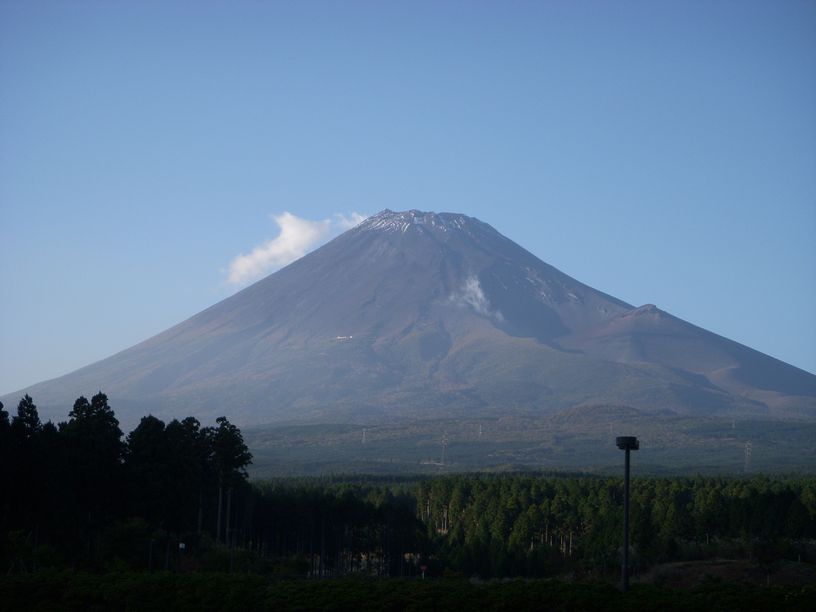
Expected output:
(297, 237)
(347, 221)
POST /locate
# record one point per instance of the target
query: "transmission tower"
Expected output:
(749, 448)
(444, 446)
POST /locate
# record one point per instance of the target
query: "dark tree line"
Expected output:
(528, 525)
(335, 531)
(523, 525)
(81, 494)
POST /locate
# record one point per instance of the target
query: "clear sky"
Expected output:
(663, 152)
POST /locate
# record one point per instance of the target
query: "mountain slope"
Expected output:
(650, 335)
(421, 315)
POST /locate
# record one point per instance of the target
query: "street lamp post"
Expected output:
(626, 443)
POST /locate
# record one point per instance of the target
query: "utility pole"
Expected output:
(626, 443)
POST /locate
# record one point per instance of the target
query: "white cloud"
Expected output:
(296, 238)
(472, 295)
(346, 222)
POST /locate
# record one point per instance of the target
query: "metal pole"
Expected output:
(625, 566)
(626, 443)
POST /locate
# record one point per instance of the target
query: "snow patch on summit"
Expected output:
(401, 222)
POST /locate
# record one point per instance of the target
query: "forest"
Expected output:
(174, 498)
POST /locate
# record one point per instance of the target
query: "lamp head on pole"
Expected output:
(627, 442)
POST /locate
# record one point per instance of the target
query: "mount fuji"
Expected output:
(418, 316)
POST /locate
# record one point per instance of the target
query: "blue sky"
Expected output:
(663, 152)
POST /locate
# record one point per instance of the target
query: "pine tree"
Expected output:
(27, 422)
(231, 457)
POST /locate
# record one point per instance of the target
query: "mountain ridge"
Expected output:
(428, 314)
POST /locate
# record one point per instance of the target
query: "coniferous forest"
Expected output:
(169, 510)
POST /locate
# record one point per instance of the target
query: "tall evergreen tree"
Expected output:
(94, 454)
(27, 422)
(4, 419)
(191, 469)
(231, 457)
(23, 470)
(5, 467)
(149, 469)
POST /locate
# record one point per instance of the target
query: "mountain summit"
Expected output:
(424, 315)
